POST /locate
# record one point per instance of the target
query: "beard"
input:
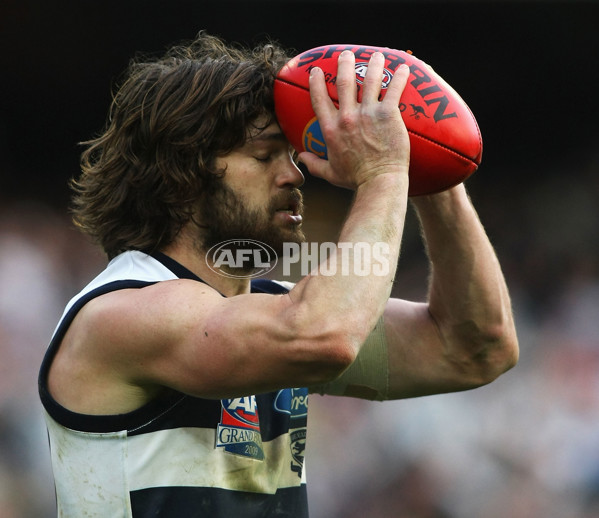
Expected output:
(224, 215)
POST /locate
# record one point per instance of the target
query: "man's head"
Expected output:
(258, 198)
(170, 119)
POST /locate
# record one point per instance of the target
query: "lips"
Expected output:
(292, 206)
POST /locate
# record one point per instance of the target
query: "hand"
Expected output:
(363, 139)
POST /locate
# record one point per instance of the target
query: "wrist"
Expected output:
(444, 200)
(396, 178)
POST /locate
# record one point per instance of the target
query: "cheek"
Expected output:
(255, 186)
(250, 180)
(252, 192)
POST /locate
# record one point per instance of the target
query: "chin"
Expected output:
(278, 238)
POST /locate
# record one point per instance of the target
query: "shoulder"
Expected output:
(116, 339)
(130, 312)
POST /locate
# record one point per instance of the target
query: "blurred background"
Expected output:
(527, 445)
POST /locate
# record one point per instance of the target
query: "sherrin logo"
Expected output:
(241, 255)
(362, 67)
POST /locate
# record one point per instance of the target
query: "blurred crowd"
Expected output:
(525, 446)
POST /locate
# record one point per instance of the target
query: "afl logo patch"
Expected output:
(313, 140)
(241, 411)
(361, 68)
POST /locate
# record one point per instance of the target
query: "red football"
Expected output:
(446, 145)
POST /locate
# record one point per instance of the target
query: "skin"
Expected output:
(125, 347)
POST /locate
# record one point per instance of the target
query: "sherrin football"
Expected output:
(446, 144)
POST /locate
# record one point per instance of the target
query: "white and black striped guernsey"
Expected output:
(178, 456)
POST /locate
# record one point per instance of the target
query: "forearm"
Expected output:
(468, 296)
(368, 150)
(349, 298)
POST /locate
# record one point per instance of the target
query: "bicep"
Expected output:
(189, 338)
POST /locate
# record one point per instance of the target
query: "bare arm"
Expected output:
(462, 337)
(465, 336)
(184, 335)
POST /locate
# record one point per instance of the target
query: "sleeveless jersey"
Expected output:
(177, 456)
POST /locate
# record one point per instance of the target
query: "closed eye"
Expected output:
(263, 159)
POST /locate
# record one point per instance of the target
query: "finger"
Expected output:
(321, 102)
(347, 89)
(315, 165)
(397, 85)
(374, 78)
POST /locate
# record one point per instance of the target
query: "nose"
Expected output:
(290, 174)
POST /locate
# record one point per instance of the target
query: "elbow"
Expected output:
(331, 356)
(497, 352)
(322, 357)
(321, 349)
(504, 344)
(481, 355)
(511, 350)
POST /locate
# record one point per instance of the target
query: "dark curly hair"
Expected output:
(168, 121)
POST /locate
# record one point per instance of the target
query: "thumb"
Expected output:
(316, 166)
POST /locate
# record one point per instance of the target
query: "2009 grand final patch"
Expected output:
(239, 429)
